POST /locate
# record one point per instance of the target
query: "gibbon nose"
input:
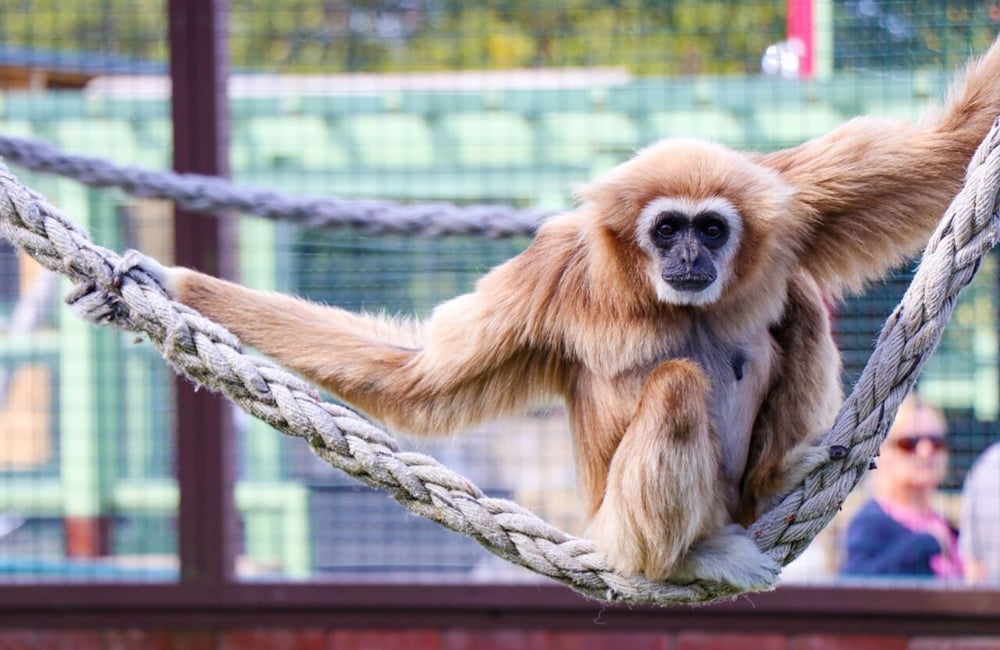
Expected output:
(690, 253)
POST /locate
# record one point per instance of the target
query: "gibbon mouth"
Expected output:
(690, 283)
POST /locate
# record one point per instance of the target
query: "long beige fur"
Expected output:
(674, 439)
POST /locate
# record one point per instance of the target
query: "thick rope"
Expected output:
(969, 229)
(212, 194)
(110, 289)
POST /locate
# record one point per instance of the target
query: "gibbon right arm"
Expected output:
(663, 490)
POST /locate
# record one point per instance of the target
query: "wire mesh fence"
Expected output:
(410, 101)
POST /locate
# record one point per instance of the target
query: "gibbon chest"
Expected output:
(739, 373)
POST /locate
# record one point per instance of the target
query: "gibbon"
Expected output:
(680, 311)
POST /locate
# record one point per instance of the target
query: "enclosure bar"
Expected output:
(200, 112)
(900, 609)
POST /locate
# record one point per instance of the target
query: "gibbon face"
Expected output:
(691, 244)
(702, 216)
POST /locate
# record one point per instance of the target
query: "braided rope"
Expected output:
(109, 289)
(212, 194)
(969, 229)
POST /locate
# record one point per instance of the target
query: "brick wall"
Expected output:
(464, 639)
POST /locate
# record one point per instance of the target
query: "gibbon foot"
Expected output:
(797, 465)
(728, 557)
(133, 259)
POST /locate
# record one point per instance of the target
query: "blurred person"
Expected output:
(979, 542)
(898, 532)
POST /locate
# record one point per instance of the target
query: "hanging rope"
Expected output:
(212, 194)
(110, 289)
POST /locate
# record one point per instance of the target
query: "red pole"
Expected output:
(799, 27)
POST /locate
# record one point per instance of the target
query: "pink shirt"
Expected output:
(944, 565)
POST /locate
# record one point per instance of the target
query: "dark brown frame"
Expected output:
(839, 610)
(203, 427)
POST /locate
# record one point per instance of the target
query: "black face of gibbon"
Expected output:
(687, 246)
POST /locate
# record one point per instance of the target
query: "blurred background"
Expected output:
(510, 102)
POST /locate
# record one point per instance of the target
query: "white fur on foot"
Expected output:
(728, 557)
(622, 546)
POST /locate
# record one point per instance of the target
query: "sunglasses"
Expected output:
(909, 444)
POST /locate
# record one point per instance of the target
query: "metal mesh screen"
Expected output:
(414, 101)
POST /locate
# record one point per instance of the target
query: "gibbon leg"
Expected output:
(800, 406)
(664, 484)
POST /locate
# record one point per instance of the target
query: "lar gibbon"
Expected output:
(680, 311)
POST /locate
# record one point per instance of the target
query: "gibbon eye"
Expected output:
(712, 230)
(670, 225)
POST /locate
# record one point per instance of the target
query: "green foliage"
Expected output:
(649, 37)
(911, 33)
(684, 36)
(331, 36)
(128, 27)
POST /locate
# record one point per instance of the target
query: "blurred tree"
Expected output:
(650, 37)
(911, 33)
(337, 35)
(129, 27)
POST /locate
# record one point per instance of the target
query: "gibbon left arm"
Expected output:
(870, 192)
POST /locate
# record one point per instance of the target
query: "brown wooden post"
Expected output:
(199, 64)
